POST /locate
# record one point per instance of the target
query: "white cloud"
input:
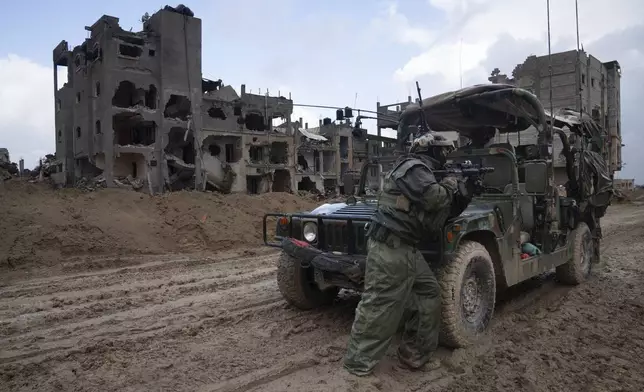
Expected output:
(27, 110)
(397, 26)
(480, 23)
(452, 61)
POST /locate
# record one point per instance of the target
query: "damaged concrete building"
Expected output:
(248, 140)
(130, 108)
(324, 156)
(136, 110)
(580, 82)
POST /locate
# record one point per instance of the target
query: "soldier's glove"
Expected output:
(473, 185)
(450, 183)
(465, 192)
(462, 198)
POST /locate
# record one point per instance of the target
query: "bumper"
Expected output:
(349, 266)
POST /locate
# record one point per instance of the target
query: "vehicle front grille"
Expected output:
(336, 237)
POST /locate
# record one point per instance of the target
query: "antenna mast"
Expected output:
(578, 62)
(460, 61)
(550, 73)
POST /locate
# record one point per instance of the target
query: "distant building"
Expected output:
(579, 81)
(624, 184)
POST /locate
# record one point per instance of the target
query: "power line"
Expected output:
(393, 117)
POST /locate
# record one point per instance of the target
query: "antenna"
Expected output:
(355, 100)
(577, 21)
(549, 134)
(581, 104)
(460, 61)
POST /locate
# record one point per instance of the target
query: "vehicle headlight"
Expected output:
(310, 231)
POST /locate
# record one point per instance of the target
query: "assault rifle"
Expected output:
(474, 176)
(466, 170)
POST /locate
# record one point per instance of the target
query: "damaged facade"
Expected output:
(247, 140)
(580, 82)
(131, 106)
(324, 155)
(136, 109)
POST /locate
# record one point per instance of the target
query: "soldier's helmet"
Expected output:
(432, 145)
(426, 143)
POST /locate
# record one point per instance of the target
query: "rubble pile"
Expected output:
(8, 169)
(92, 184)
(46, 167)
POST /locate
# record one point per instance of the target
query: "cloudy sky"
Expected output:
(329, 52)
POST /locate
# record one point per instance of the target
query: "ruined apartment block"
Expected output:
(580, 82)
(248, 140)
(136, 109)
(325, 154)
(131, 106)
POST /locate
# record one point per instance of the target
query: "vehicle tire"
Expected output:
(297, 286)
(578, 268)
(468, 291)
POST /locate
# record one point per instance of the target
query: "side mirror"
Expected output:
(536, 177)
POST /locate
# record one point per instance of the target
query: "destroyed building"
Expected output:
(324, 156)
(136, 109)
(129, 98)
(248, 140)
(580, 82)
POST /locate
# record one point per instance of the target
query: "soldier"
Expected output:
(482, 137)
(397, 276)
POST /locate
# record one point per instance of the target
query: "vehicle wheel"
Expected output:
(578, 268)
(297, 286)
(468, 290)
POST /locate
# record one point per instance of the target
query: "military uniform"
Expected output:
(397, 278)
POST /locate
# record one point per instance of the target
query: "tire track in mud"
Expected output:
(132, 302)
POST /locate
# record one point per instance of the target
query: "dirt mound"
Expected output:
(44, 225)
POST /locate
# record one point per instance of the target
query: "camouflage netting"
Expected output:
(596, 180)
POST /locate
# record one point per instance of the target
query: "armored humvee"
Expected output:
(520, 226)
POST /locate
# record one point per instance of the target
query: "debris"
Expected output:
(90, 185)
(180, 9)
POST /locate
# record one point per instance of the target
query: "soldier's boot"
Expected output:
(413, 361)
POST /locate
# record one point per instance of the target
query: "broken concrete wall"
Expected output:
(313, 183)
(221, 157)
(131, 164)
(308, 162)
(4, 155)
(248, 155)
(328, 162)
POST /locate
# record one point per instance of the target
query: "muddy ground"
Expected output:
(216, 322)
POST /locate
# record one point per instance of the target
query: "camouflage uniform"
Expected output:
(397, 278)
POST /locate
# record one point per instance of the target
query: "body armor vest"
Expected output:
(403, 214)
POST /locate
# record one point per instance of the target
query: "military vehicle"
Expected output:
(518, 227)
